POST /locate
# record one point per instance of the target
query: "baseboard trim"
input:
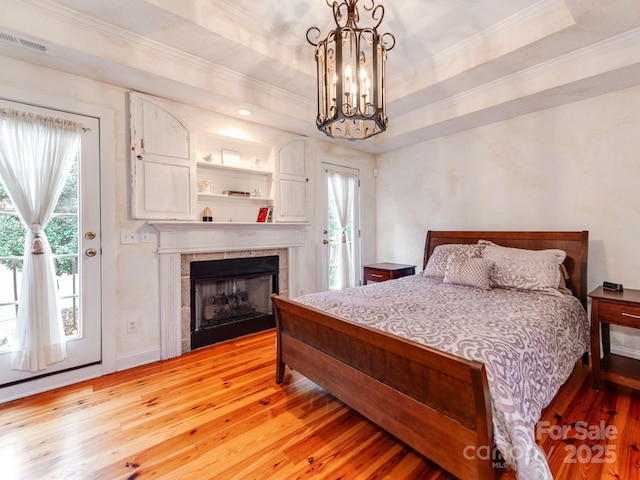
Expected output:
(136, 359)
(50, 382)
(625, 352)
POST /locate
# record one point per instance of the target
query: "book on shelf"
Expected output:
(263, 214)
(236, 193)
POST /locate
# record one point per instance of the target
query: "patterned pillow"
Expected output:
(521, 269)
(472, 272)
(437, 263)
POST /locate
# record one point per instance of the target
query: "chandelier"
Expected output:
(351, 73)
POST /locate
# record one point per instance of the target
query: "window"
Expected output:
(62, 232)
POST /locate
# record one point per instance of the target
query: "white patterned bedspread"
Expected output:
(529, 343)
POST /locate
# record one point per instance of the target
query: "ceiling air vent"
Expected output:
(22, 42)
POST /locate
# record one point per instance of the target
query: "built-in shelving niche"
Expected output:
(228, 164)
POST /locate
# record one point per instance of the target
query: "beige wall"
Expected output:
(574, 167)
(571, 168)
(135, 269)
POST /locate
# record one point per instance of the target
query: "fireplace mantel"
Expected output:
(197, 237)
(178, 238)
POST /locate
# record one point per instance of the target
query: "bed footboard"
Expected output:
(434, 402)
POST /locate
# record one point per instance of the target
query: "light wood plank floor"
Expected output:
(217, 413)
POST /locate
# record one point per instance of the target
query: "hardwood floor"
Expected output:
(217, 413)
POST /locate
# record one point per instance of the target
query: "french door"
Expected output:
(339, 222)
(74, 235)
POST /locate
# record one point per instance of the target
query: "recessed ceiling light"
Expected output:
(244, 111)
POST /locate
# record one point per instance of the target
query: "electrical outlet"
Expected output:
(145, 237)
(132, 325)
(128, 237)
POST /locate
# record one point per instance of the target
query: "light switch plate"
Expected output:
(127, 237)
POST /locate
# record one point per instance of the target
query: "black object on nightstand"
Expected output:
(610, 307)
(380, 272)
(616, 287)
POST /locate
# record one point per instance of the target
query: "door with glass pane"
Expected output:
(339, 242)
(74, 236)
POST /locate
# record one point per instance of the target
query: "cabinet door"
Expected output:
(163, 170)
(292, 197)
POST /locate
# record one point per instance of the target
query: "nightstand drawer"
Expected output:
(381, 272)
(619, 314)
(377, 275)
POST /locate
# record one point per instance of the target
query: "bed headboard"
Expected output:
(576, 244)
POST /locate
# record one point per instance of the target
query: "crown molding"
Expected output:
(549, 17)
(603, 57)
(126, 37)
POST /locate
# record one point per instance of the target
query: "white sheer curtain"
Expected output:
(342, 188)
(36, 154)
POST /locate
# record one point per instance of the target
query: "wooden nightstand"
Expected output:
(613, 308)
(381, 272)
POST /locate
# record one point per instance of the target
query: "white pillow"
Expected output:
(437, 263)
(471, 272)
(521, 269)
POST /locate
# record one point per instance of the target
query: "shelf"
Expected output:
(251, 171)
(622, 370)
(227, 168)
(181, 225)
(180, 237)
(235, 197)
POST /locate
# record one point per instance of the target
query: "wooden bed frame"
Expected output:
(435, 402)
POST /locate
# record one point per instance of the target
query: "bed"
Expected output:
(438, 402)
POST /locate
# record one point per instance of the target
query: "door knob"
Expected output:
(90, 252)
(90, 235)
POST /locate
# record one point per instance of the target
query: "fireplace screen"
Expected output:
(231, 297)
(234, 300)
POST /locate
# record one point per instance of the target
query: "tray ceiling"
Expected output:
(457, 64)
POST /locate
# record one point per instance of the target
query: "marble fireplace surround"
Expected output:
(183, 242)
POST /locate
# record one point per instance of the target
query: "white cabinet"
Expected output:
(231, 165)
(176, 173)
(292, 172)
(162, 171)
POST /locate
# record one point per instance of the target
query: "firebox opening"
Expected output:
(232, 297)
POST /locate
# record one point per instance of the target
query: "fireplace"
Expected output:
(181, 243)
(231, 297)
